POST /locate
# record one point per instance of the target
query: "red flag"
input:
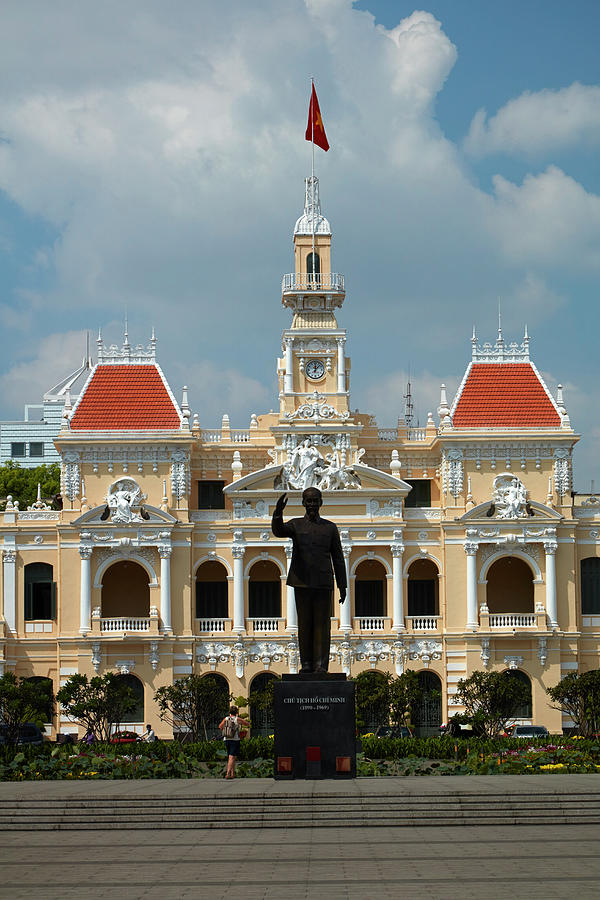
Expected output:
(315, 130)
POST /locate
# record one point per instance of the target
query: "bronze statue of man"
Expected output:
(316, 548)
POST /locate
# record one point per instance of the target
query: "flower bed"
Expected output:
(385, 756)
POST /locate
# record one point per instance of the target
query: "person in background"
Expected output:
(148, 735)
(230, 729)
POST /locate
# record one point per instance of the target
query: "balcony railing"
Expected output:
(265, 625)
(212, 625)
(371, 623)
(124, 624)
(512, 620)
(329, 281)
(423, 623)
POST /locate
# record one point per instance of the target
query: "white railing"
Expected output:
(210, 437)
(371, 623)
(512, 620)
(241, 436)
(125, 624)
(416, 434)
(329, 281)
(211, 624)
(388, 434)
(215, 436)
(424, 623)
(265, 624)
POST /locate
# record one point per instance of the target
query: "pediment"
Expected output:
(540, 512)
(371, 480)
(155, 517)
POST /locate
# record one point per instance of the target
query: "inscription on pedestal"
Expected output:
(315, 730)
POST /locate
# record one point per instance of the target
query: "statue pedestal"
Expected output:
(315, 727)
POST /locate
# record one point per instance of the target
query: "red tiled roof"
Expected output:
(510, 395)
(125, 398)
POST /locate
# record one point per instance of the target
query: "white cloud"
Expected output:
(550, 219)
(384, 398)
(215, 390)
(538, 123)
(26, 381)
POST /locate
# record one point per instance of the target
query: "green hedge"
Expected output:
(453, 748)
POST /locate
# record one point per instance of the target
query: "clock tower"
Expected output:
(314, 366)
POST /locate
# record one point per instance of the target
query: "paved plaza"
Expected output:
(549, 861)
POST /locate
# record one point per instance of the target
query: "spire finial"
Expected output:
(500, 338)
(126, 341)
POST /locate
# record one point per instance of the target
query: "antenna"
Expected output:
(408, 404)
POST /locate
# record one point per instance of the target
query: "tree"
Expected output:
(404, 694)
(578, 696)
(23, 701)
(21, 483)
(193, 704)
(98, 704)
(372, 700)
(491, 699)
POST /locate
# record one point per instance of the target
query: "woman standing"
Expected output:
(230, 729)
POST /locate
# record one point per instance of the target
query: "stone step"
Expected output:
(262, 811)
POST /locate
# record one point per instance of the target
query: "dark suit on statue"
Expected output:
(316, 547)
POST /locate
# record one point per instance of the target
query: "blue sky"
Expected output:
(154, 163)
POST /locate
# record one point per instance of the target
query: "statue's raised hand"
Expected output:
(280, 505)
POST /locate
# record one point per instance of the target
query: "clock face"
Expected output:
(315, 369)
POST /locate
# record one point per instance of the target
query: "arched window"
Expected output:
(590, 586)
(136, 714)
(524, 711)
(125, 590)
(48, 688)
(211, 591)
(264, 590)
(369, 589)
(261, 704)
(510, 586)
(313, 271)
(220, 707)
(40, 592)
(423, 588)
(427, 714)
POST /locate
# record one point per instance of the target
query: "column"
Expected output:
(165, 587)
(85, 596)
(239, 619)
(291, 614)
(341, 366)
(288, 378)
(346, 607)
(550, 548)
(9, 558)
(397, 585)
(471, 548)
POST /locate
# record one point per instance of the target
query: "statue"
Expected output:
(510, 497)
(307, 468)
(316, 547)
(124, 501)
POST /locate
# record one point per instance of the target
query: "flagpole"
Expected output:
(312, 183)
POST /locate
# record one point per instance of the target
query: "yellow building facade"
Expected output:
(465, 546)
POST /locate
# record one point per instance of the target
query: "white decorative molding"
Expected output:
(211, 653)
(425, 651)
(390, 506)
(96, 656)
(239, 658)
(452, 471)
(430, 513)
(125, 666)
(513, 662)
(243, 509)
(70, 474)
(562, 471)
(180, 474)
(485, 652)
(153, 655)
(542, 651)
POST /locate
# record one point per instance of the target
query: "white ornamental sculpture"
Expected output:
(307, 467)
(510, 497)
(124, 500)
